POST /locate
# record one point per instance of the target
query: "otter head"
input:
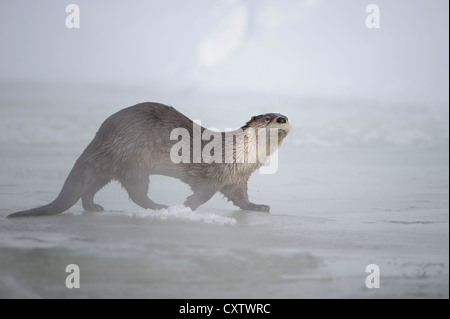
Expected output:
(271, 121)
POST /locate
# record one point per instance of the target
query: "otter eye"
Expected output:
(268, 119)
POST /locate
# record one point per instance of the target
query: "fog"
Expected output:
(363, 177)
(311, 48)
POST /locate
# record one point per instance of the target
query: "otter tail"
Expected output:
(74, 188)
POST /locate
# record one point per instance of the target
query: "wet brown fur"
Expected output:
(133, 144)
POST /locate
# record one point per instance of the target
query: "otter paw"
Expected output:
(159, 207)
(257, 208)
(95, 208)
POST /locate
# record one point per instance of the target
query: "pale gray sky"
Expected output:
(309, 48)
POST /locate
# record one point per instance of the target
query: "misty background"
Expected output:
(363, 176)
(309, 48)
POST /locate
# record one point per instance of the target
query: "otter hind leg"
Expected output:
(88, 198)
(237, 193)
(199, 197)
(138, 191)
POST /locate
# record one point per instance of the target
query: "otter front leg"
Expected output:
(237, 193)
(199, 197)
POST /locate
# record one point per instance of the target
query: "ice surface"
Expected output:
(182, 213)
(358, 183)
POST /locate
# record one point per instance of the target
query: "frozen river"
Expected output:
(358, 183)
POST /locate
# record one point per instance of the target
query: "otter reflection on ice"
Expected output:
(142, 140)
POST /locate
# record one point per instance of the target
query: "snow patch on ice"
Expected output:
(185, 214)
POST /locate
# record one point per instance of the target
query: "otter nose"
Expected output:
(281, 120)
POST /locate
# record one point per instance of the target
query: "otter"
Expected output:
(136, 142)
